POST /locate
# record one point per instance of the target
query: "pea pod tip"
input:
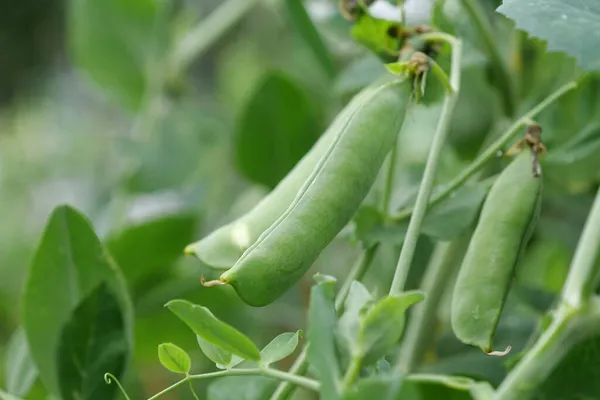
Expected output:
(497, 353)
(212, 283)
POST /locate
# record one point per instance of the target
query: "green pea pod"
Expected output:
(327, 200)
(222, 248)
(506, 223)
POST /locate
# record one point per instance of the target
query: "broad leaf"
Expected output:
(222, 358)
(114, 40)
(204, 324)
(279, 348)
(241, 388)
(19, 368)
(68, 265)
(277, 127)
(321, 325)
(91, 344)
(570, 26)
(174, 358)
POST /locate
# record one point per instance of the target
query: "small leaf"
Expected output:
(204, 324)
(348, 326)
(569, 26)
(322, 353)
(241, 388)
(91, 344)
(222, 358)
(397, 68)
(373, 33)
(19, 368)
(174, 358)
(279, 348)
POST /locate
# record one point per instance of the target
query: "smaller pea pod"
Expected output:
(327, 200)
(506, 223)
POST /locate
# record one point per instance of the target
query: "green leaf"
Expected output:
(7, 396)
(222, 358)
(19, 368)
(116, 43)
(151, 247)
(91, 344)
(305, 27)
(569, 26)
(373, 33)
(279, 348)
(174, 358)
(208, 327)
(349, 324)
(69, 263)
(321, 326)
(241, 388)
(584, 144)
(277, 127)
(377, 387)
(383, 325)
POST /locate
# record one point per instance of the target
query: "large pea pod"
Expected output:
(327, 200)
(506, 223)
(222, 248)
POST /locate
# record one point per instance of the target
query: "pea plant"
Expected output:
(475, 273)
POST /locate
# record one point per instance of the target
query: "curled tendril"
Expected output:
(109, 378)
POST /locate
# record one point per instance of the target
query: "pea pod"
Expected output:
(506, 223)
(327, 200)
(222, 248)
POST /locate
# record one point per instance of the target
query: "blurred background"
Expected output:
(161, 129)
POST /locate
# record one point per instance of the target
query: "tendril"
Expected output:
(109, 378)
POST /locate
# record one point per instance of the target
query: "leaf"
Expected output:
(222, 358)
(379, 387)
(279, 348)
(69, 263)
(7, 396)
(569, 26)
(584, 144)
(208, 327)
(383, 324)
(321, 325)
(241, 388)
(373, 33)
(174, 358)
(305, 27)
(349, 324)
(115, 42)
(277, 127)
(19, 368)
(151, 247)
(91, 344)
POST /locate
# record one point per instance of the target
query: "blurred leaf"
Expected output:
(277, 127)
(69, 263)
(151, 247)
(321, 327)
(241, 388)
(174, 358)
(305, 27)
(279, 348)
(91, 344)
(377, 387)
(19, 368)
(114, 41)
(383, 324)
(206, 325)
(380, 36)
(581, 146)
(359, 74)
(349, 324)
(7, 396)
(222, 358)
(569, 26)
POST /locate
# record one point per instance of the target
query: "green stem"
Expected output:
(504, 78)
(444, 261)
(454, 382)
(353, 370)
(208, 31)
(192, 390)
(389, 181)
(414, 226)
(300, 366)
(492, 151)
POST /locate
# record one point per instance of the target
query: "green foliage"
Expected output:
(174, 358)
(21, 371)
(279, 348)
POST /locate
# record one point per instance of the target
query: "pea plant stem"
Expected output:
(499, 63)
(491, 152)
(414, 226)
(300, 366)
(577, 315)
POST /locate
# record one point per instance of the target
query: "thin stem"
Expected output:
(353, 370)
(389, 181)
(192, 390)
(458, 383)
(414, 226)
(444, 261)
(208, 31)
(295, 379)
(109, 378)
(300, 366)
(492, 151)
(504, 77)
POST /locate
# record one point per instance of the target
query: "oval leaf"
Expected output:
(208, 327)
(222, 358)
(19, 368)
(279, 348)
(174, 358)
(69, 263)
